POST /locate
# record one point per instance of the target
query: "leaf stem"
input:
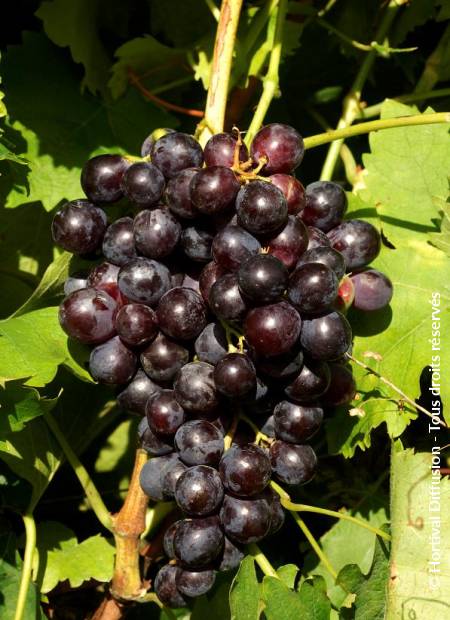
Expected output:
(25, 578)
(259, 436)
(314, 544)
(93, 495)
(336, 135)
(374, 110)
(262, 560)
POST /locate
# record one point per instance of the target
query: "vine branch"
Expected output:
(25, 578)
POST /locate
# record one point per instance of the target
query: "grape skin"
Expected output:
(213, 190)
(153, 445)
(245, 520)
(311, 382)
(210, 274)
(326, 337)
(211, 344)
(326, 204)
(198, 542)
(75, 282)
(317, 238)
(88, 316)
(232, 246)
(182, 313)
(289, 243)
(134, 397)
(152, 473)
(163, 358)
(136, 324)
(261, 208)
(112, 362)
(156, 232)
(293, 464)
(359, 242)
(296, 423)
(101, 178)
(263, 278)
(144, 280)
(79, 226)
(281, 145)
(327, 256)
(199, 443)
(272, 329)
(169, 535)
(143, 184)
(196, 243)
(231, 556)
(220, 150)
(164, 414)
(225, 298)
(178, 194)
(166, 587)
(342, 388)
(175, 152)
(313, 287)
(373, 290)
(293, 191)
(245, 470)
(195, 583)
(103, 277)
(234, 375)
(118, 243)
(199, 491)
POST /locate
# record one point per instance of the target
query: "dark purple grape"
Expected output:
(220, 150)
(199, 443)
(281, 366)
(232, 246)
(199, 491)
(195, 389)
(136, 324)
(263, 278)
(225, 298)
(245, 520)
(75, 282)
(164, 414)
(143, 184)
(178, 194)
(277, 515)
(342, 387)
(317, 238)
(327, 256)
(293, 191)
(282, 147)
(373, 290)
(175, 152)
(312, 288)
(153, 445)
(211, 345)
(358, 241)
(103, 277)
(191, 280)
(156, 232)
(163, 358)
(196, 243)
(144, 280)
(166, 587)
(245, 470)
(195, 583)
(273, 329)
(101, 178)
(296, 423)
(112, 362)
(118, 242)
(326, 337)
(293, 464)
(198, 542)
(170, 476)
(261, 208)
(169, 536)
(182, 313)
(151, 139)
(326, 204)
(234, 375)
(231, 556)
(214, 189)
(290, 243)
(152, 473)
(134, 397)
(310, 383)
(79, 226)
(88, 315)
(210, 273)
(268, 428)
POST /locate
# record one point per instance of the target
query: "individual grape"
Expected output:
(136, 324)
(164, 414)
(245, 470)
(195, 389)
(327, 256)
(101, 178)
(373, 290)
(310, 383)
(281, 366)
(143, 184)
(199, 491)
(277, 515)
(313, 287)
(293, 191)
(261, 208)
(273, 329)
(326, 204)
(199, 443)
(268, 428)
(317, 238)
(196, 243)
(263, 278)
(175, 152)
(166, 587)
(282, 147)
(293, 464)
(290, 243)
(296, 423)
(195, 583)
(231, 556)
(198, 542)
(191, 280)
(134, 397)
(163, 358)
(234, 375)
(225, 298)
(151, 443)
(156, 232)
(151, 139)
(245, 520)
(342, 388)
(169, 536)
(88, 315)
(220, 150)
(144, 280)
(75, 282)
(169, 477)
(232, 246)
(358, 241)
(118, 243)
(182, 313)
(214, 189)
(112, 362)
(210, 274)
(178, 194)
(103, 277)
(326, 337)
(211, 344)
(79, 226)
(151, 474)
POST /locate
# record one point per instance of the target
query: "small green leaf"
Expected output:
(288, 574)
(281, 603)
(244, 592)
(18, 405)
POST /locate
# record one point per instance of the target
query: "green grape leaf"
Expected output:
(214, 604)
(281, 603)
(19, 404)
(33, 345)
(415, 14)
(244, 592)
(5, 153)
(74, 25)
(182, 22)
(420, 534)
(288, 574)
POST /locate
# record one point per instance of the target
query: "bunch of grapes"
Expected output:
(220, 306)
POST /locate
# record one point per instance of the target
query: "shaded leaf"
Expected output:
(244, 592)
(20, 404)
(281, 603)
